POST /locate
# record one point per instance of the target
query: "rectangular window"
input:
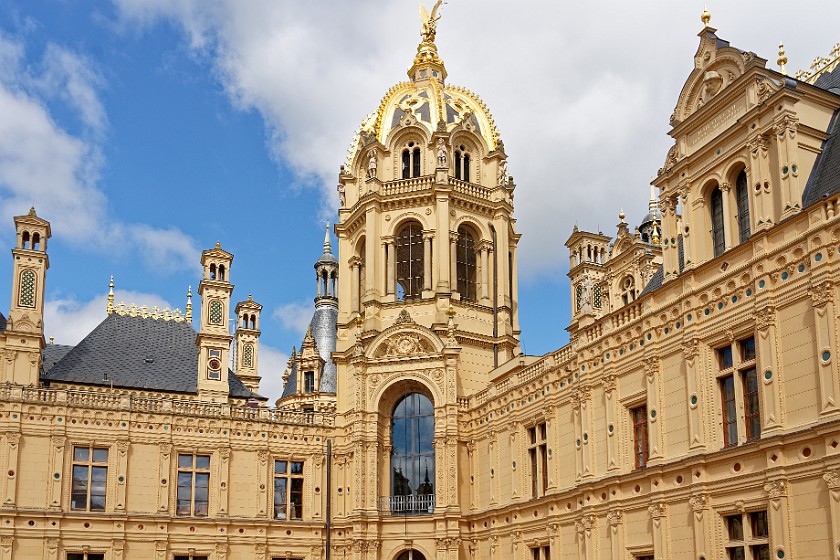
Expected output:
(85, 556)
(308, 381)
(189, 557)
(640, 436)
(288, 489)
(193, 485)
(738, 382)
(747, 536)
(90, 478)
(538, 455)
(541, 552)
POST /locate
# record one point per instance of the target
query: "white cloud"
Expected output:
(581, 92)
(271, 363)
(294, 316)
(44, 165)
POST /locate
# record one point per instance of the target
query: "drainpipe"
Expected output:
(329, 497)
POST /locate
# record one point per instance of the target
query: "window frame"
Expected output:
(90, 464)
(409, 260)
(466, 263)
(742, 204)
(739, 391)
(195, 471)
(748, 543)
(717, 220)
(641, 449)
(290, 477)
(538, 458)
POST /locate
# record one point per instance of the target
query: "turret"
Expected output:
(25, 325)
(588, 252)
(214, 337)
(247, 342)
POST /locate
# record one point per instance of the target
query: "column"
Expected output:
(657, 515)
(688, 252)
(263, 483)
(550, 438)
(832, 480)
(355, 278)
(768, 370)
(728, 223)
(165, 471)
(122, 446)
(655, 430)
(777, 515)
(13, 441)
(485, 273)
(787, 147)
(691, 350)
(452, 251)
(427, 261)
(6, 547)
(224, 475)
(443, 241)
(576, 403)
(372, 268)
(699, 504)
(669, 231)
(473, 475)
(610, 414)
(494, 467)
(161, 548)
(586, 546)
(614, 519)
(117, 547)
(514, 454)
(57, 460)
(822, 299)
(51, 548)
(390, 259)
(760, 186)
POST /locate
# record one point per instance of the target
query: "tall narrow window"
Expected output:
(27, 289)
(462, 164)
(465, 256)
(90, 477)
(412, 455)
(457, 164)
(716, 205)
(411, 161)
(729, 413)
(742, 200)
(409, 257)
(406, 164)
(416, 163)
(288, 489)
(538, 456)
(308, 381)
(193, 484)
(628, 290)
(749, 381)
(738, 380)
(640, 436)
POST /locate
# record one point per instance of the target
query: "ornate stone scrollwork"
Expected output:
(832, 479)
(699, 502)
(657, 510)
(765, 318)
(614, 518)
(403, 344)
(822, 294)
(776, 489)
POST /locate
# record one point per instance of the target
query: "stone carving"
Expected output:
(765, 318)
(442, 156)
(403, 344)
(822, 294)
(404, 318)
(614, 518)
(699, 502)
(691, 348)
(342, 197)
(609, 382)
(712, 84)
(776, 489)
(657, 510)
(503, 173)
(832, 478)
(371, 169)
(586, 292)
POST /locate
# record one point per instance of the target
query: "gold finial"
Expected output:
(782, 59)
(359, 321)
(451, 311)
(705, 17)
(250, 298)
(110, 308)
(218, 244)
(52, 340)
(621, 214)
(32, 211)
(429, 22)
(188, 309)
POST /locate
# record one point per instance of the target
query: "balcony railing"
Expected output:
(423, 504)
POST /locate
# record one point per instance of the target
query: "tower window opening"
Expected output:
(213, 271)
(409, 261)
(413, 455)
(462, 164)
(716, 205)
(221, 272)
(465, 261)
(36, 241)
(743, 204)
(25, 240)
(411, 162)
(416, 162)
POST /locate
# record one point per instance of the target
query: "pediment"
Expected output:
(405, 339)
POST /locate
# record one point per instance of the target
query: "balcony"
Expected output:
(423, 504)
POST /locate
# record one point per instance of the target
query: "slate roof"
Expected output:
(290, 388)
(825, 177)
(323, 326)
(2, 322)
(52, 354)
(829, 80)
(135, 353)
(658, 277)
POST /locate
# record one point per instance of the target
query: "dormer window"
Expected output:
(462, 164)
(411, 161)
(309, 382)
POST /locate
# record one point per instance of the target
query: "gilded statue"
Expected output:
(430, 22)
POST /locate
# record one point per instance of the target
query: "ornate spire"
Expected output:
(705, 17)
(427, 64)
(110, 308)
(188, 312)
(653, 205)
(327, 244)
(782, 59)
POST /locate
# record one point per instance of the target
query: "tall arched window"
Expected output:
(716, 208)
(628, 290)
(742, 200)
(462, 164)
(413, 455)
(465, 262)
(409, 261)
(411, 555)
(411, 161)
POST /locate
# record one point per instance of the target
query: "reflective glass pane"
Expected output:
(297, 467)
(185, 461)
(81, 453)
(202, 461)
(100, 455)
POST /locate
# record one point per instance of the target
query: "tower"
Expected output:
(247, 342)
(588, 252)
(25, 325)
(214, 337)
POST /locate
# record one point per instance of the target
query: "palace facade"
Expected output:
(695, 413)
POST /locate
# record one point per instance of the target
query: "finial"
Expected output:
(429, 28)
(188, 310)
(705, 17)
(359, 321)
(655, 234)
(218, 244)
(110, 308)
(52, 340)
(250, 298)
(782, 59)
(652, 204)
(451, 311)
(327, 244)
(621, 214)
(32, 211)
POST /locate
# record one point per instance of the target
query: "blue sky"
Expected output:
(147, 130)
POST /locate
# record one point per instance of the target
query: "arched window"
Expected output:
(409, 260)
(212, 272)
(716, 208)
(411, 555)
(742, 200)
(628, 290)
(36, 241)
(413, 455)
(25, 240)
(465, 262)
(462, 164)
(362, 274)
(411, 161)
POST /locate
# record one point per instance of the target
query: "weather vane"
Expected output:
(429, 21)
